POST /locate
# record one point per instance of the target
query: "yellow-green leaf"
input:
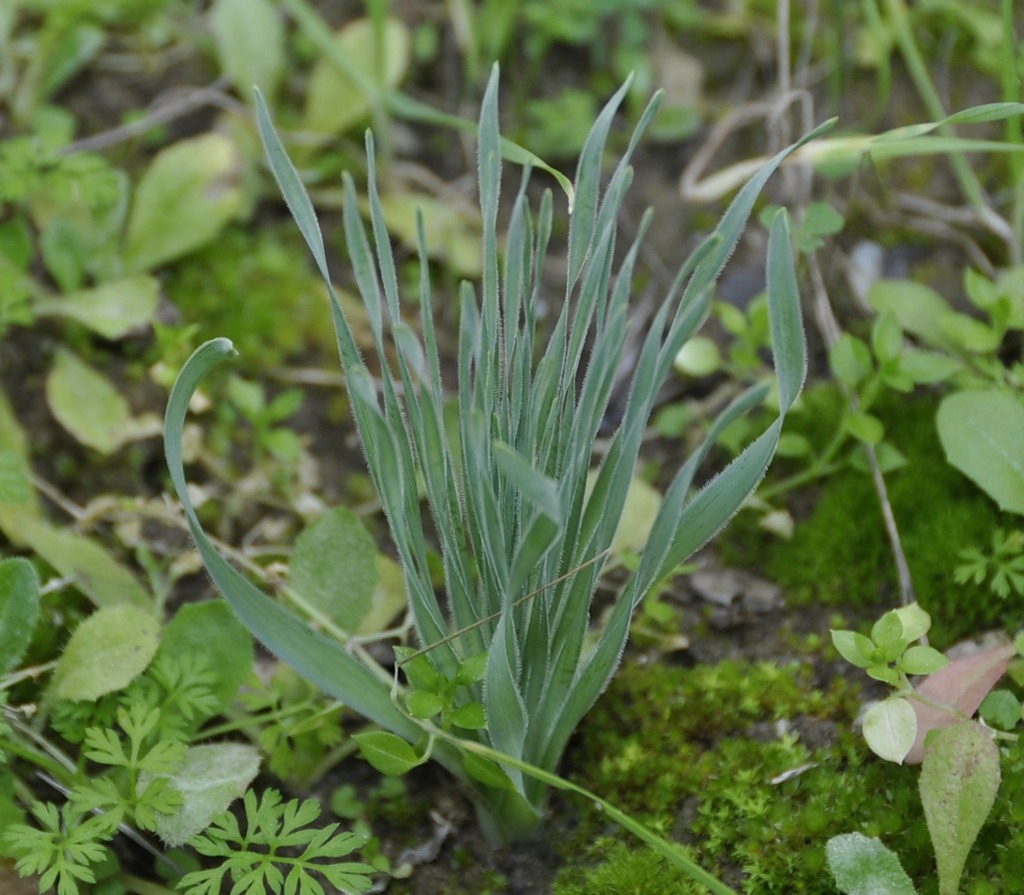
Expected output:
(106, 653)
(334, 101)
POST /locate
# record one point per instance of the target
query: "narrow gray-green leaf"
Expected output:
(291, 186)
(323, 662)
(537, 488)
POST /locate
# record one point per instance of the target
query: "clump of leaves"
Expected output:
(508, 491)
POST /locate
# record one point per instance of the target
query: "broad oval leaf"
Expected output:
(470, 716)
(922, 660)
(890, 727)
(424, 704)
(94, 571)
(959, 780)
(184, 199)
(87, 404)
(857, 649)
(916, 622)
(19, 610)
(212, 630)
(336, 94)
(106, 653)
(334, 567)
(862, 865)
(389, 754)
(982, 433)
(15, 487)
(210, 778)
(113, 309)
(250, 43)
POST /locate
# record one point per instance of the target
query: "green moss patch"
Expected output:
(840, 554)
(755, 768)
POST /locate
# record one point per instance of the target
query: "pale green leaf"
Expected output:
(452, 233)
(387, 753)
(112, 309)
(423, 704)
(89, 406)
(334, 567)
(19, 610)
(928, 367)
(918, 308)
(470, 716)
(855, 648)
(922, 660)
(914, 620)
(698, 357)
(863, 866)
(343, 84)
(94, 571)
(106, 653)
(250, 42)
(388, 598)
(890, 727)
(15, 487)
(211, 630)
(959, 781)
(865, 427)
(210, 778)
(982, 433)
(190, 191)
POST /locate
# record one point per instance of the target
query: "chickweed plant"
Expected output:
(508, 663)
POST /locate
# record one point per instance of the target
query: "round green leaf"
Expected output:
(982, 433)
(863, 866)
(865, 427)
(890, 727)
(334, 567)
(470, 716)
(857, 649)
(389, 754)
(106, 653)
(87, 404)
(915, 621)
(471, 670)
(213, 631)
(422, 704)
(1001, 709)
(922, 660)
(113, 309)
(210, 778)
(698, 357)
